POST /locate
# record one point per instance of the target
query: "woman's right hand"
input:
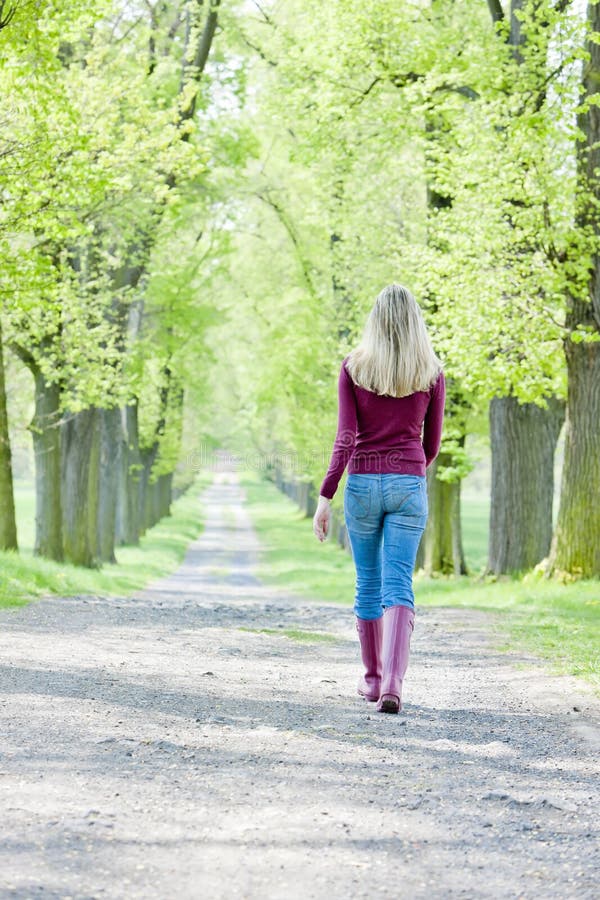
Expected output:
(322, 518)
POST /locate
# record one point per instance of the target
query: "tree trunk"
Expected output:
(150, 502)
(45, 429)
(576, 546)
(122, 518)
(165, 486)
(80, 458)
(129, 475)
(441, 549)
(523, 436)
(523, 440)
(46, 433)
(93, 487)
(442, 541)
(8, 522)
(147, 457)
(110, 465)
(154, 502)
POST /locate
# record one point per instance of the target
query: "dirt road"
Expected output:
(165, 747)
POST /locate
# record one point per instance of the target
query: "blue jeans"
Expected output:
(385, 518)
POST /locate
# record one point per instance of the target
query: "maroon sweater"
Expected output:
(378, 433)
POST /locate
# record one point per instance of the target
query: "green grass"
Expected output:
(295, 634)
(560, 622)
(292, 556)
(24, 576)
(556, 621)
(25, 510)
(475, 524)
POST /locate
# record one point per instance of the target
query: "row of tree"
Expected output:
(106, 149)
(201, 198)
(453, 146)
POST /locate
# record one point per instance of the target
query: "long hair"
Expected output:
(395, 356)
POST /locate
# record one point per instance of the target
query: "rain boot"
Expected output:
(398, 622)
(370, 633)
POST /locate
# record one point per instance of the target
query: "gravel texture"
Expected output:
(163, 746)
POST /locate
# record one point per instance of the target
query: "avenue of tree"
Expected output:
(200, 201)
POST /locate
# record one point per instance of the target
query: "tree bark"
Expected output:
(441, 545)
(129, 474)
(576, 546)
(496, 11)
(441, 550)
(154, 494)
(93, 487)
(523, 436)
(147, 457)
(165, 494)
(122, 512)
(79, 466)
(109, 468)
(8, 522)
(523, 441)
(45, 429)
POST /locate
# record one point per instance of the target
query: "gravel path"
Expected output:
(164, 747)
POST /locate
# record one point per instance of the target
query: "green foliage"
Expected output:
(106, 227)
(400, 142)
(215, 267)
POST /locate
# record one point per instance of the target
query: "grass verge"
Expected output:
(296, 634)
(475, 520)
(24, 576)
(558, 622)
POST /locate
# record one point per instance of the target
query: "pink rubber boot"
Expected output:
(398, 623)
(370, 634)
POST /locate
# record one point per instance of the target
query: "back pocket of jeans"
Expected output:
(357, 502)
(410, 499)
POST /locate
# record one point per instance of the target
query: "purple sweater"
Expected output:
(378, 433)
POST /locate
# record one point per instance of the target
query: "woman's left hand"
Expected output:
(322, 518)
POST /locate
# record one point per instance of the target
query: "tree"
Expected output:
(576, 546)
(343, 94)
(107, 144)
(523, 436)
(8, 526)
(483, 125)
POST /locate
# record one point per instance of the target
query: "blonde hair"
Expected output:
(395, 356)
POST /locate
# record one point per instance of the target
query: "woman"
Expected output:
(391, 405)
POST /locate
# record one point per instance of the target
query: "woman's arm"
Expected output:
(345, 438)
(343, 446)
(434, 419)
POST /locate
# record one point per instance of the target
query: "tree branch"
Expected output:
(562, 5)
(5, 17)
(287, 224)
(25, 355)
(256, 49)
(204, 44)
(366, 92)
(463, 89)
(200, 59)
(266, 17)
(496, 11)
